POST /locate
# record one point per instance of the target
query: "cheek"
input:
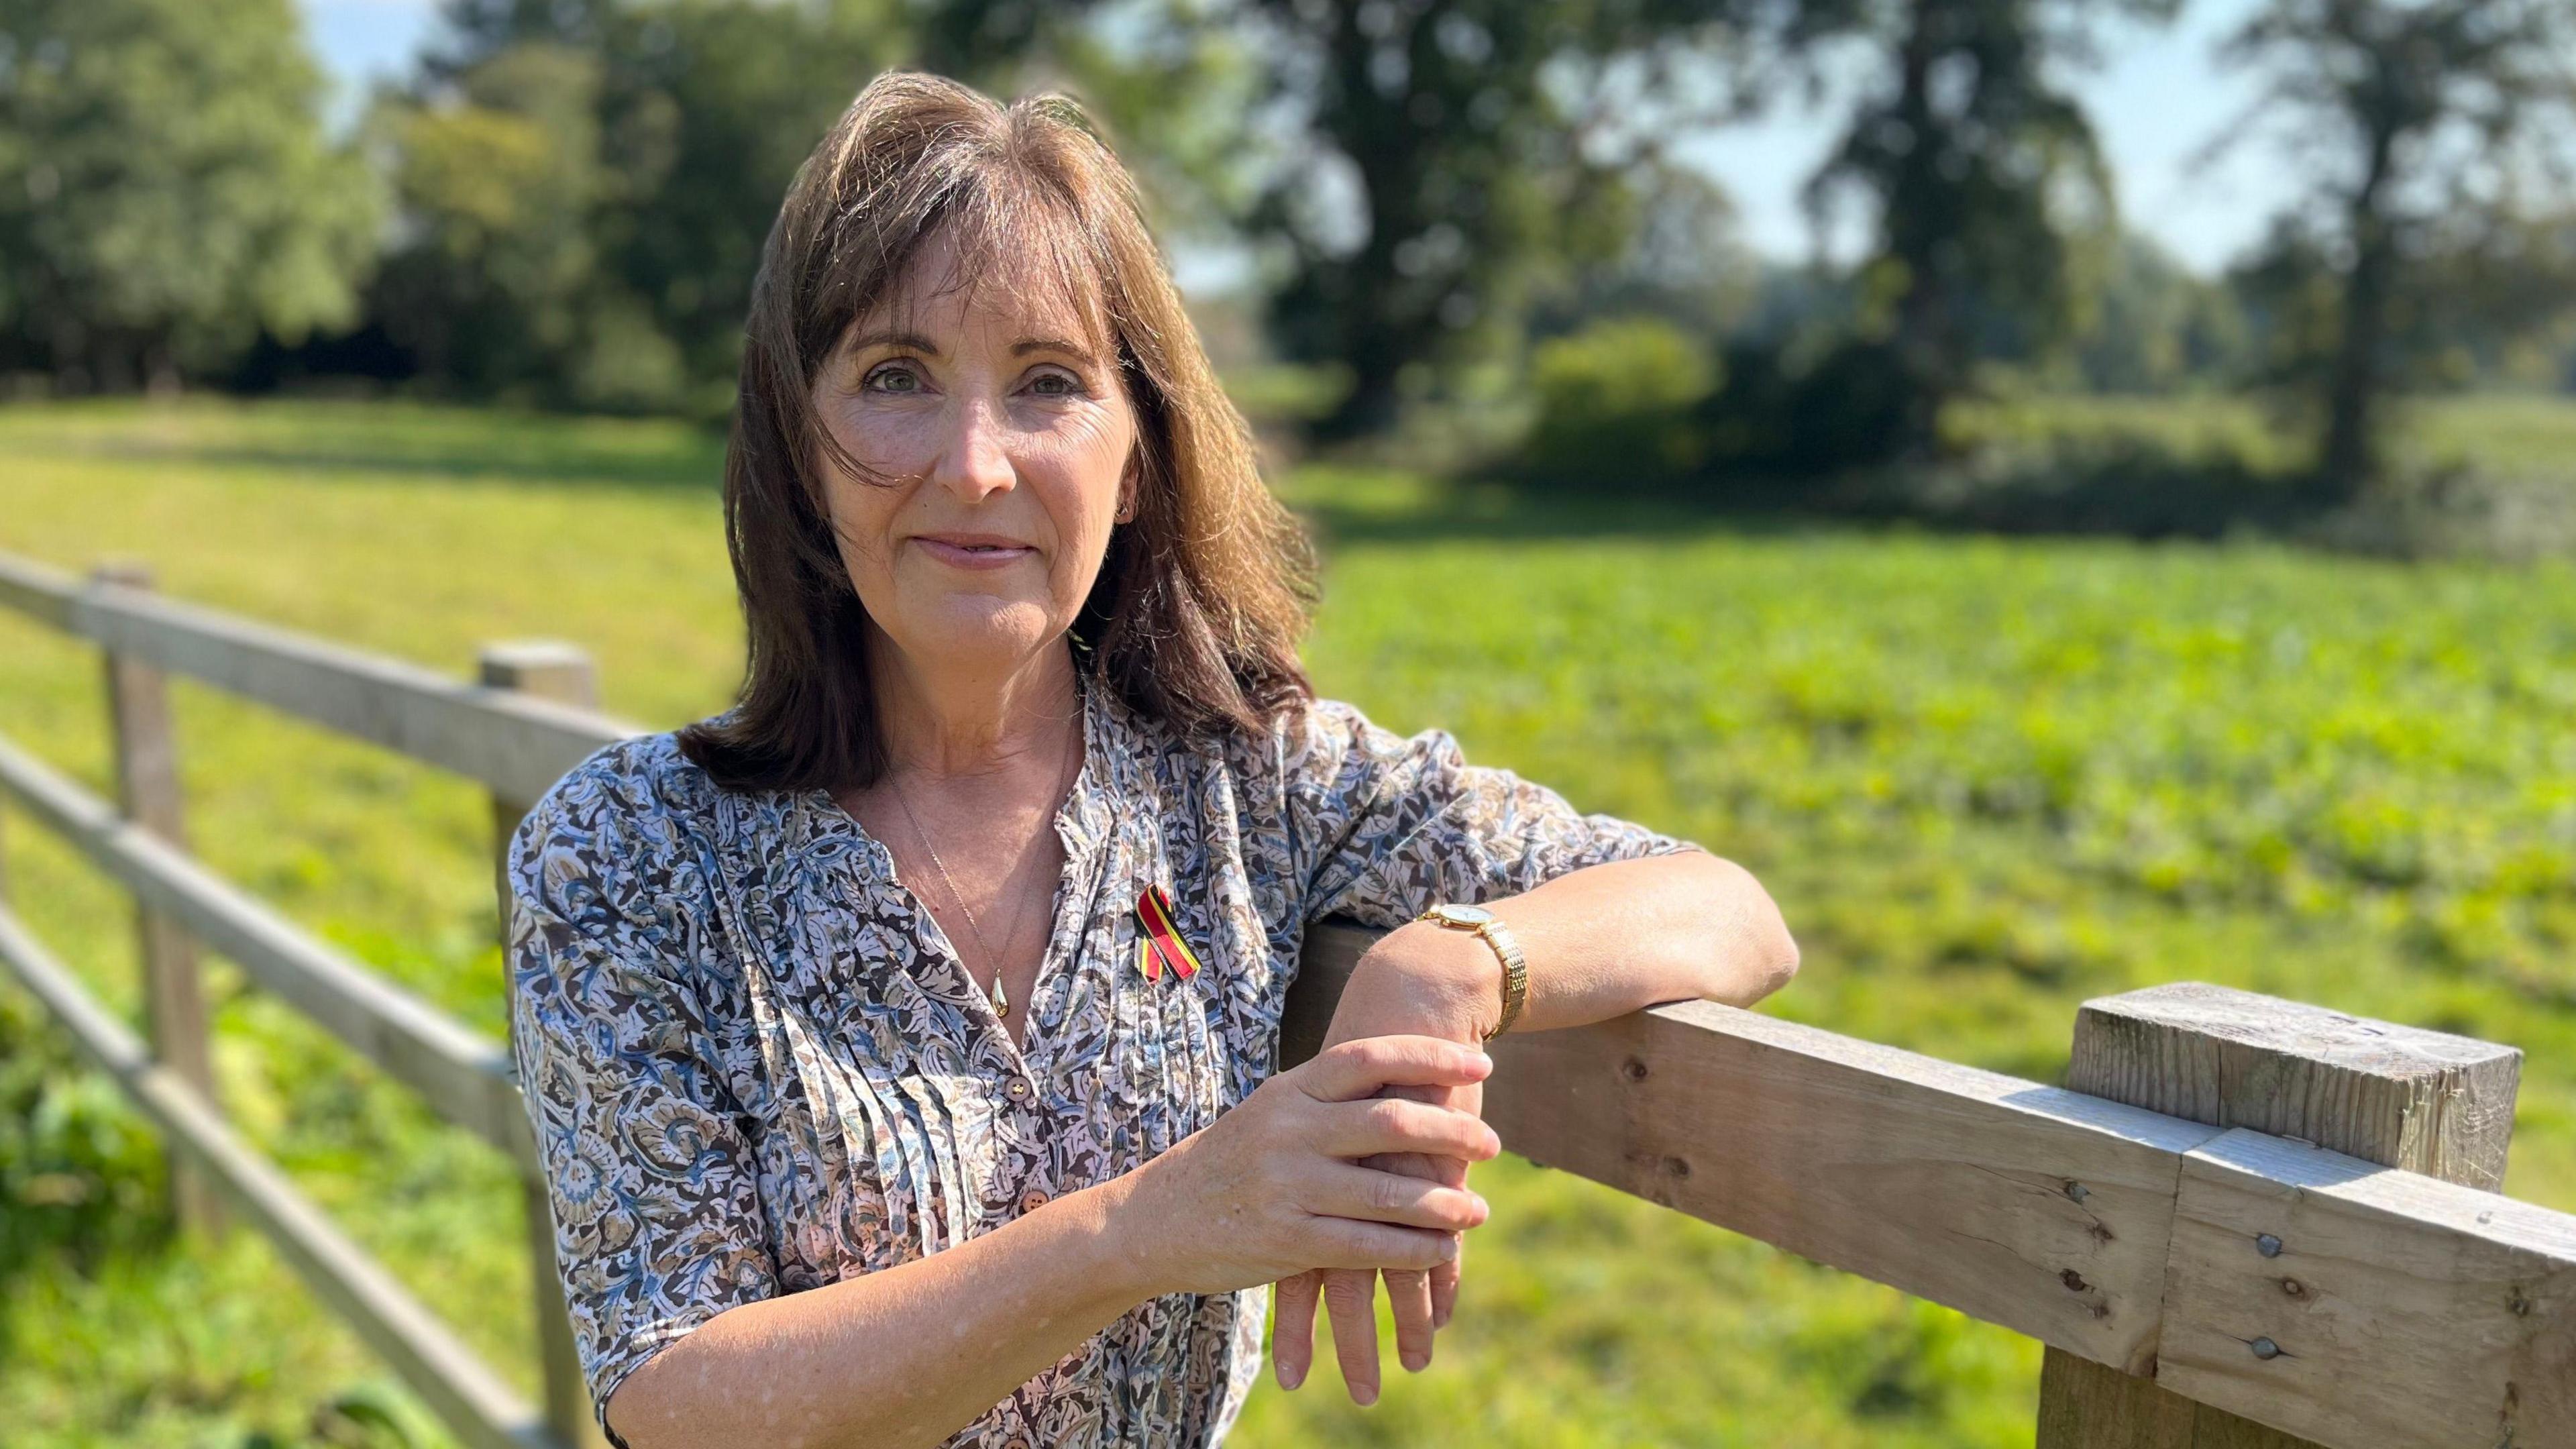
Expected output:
(861, 515)
(1083, 468)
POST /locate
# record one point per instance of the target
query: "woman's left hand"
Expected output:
(1419, 980)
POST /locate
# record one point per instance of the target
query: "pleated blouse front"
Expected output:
(755, 1065)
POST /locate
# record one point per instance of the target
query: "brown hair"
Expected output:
(1201, 599)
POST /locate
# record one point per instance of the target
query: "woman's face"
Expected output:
(1000, 442)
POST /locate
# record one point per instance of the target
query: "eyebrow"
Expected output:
(1028, 345)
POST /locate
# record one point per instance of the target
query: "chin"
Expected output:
(982, 626)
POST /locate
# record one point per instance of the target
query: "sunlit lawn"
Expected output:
(1987, 779)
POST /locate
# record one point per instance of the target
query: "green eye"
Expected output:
(893, 377)
(1063, 386)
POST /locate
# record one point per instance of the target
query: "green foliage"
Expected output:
(586, 188)
(1983, 178)
(79, 1173)
(1986, 779)
(165, 189)
(1618, 403)
(1446, 163)
(2424, 127)
(2146, 324)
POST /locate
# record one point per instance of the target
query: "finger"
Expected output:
(1350, 1243)
(1444, 1277)
(1392, 1124)
(1409, 1294)
(1351, 1299)
(1357, 1069)
(1444, 1289)
(1348, 1190)
(1292, 1333)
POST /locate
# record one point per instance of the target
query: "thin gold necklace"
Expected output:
(1064, 782)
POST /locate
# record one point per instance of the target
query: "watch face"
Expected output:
(1463, 915)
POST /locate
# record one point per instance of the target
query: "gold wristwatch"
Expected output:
(1486, 924)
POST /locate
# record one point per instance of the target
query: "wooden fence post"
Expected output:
(565, 674)
(2420, 1100)
(147, 793)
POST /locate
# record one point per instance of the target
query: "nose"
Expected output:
(972, 463)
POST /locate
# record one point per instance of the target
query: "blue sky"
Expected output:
(2156, 100)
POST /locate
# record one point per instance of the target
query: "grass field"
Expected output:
(1986, 779)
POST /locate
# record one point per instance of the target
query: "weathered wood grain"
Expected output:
(517, 745)
(2390, 1094)
(2039, 1209)
(465, 1077)
(2399, 1096)
(470, 1398)
(2399, 1310)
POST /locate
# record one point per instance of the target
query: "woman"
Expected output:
(900, 1042)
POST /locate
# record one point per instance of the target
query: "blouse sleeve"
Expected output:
(1392, 826)
(658, 1222)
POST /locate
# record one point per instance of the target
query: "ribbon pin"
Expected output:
(1159, 944)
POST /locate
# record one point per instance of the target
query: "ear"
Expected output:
(1129, 482)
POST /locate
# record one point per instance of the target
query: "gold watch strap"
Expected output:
(1498, 936)
(1515, 974)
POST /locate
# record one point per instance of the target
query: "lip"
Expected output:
(976, 551)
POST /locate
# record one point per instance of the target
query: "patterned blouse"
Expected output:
(755, 1064)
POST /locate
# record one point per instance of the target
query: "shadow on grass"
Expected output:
(2125, 488)
(324, 442)
(502, 462)
(2122, 490)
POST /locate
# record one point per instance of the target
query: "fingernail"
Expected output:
(1363, 1394)
(1416, 1363)
(1290, 1378)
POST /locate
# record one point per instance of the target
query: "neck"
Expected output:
(949, 719)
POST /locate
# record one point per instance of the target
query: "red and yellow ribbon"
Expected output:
(1161, 944)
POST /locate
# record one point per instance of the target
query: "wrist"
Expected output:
(1122, 1259)
(1456, 977)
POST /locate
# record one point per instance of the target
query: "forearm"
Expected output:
(1601, 942)
(1627, 934)
(905, 1356)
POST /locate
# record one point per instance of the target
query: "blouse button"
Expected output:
(1018, 1089)
(1032, 1200)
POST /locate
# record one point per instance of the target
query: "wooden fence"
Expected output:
(2245, 1222)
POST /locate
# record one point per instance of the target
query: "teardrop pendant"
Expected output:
(1001, 1003)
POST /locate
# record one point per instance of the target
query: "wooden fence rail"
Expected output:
(2200, 1282)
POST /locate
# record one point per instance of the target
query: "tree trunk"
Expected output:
(2348, 462)
(1927, 347)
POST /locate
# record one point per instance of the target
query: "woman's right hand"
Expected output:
(1273, 1187)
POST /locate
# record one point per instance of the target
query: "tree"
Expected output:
(585, 186)
(1429, 162)
(1983, 176)
(166, 190)
(650, 142)
(2149, 325)
(495, 289)
(2424, 121)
